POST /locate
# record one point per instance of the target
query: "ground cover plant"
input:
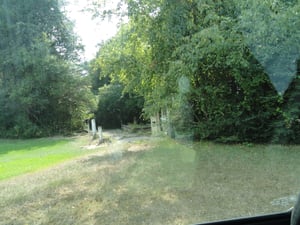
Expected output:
(146, 180)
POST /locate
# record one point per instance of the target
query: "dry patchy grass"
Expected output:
(155, 181)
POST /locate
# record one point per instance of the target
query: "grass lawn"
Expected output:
(155, 181)
(22, 156)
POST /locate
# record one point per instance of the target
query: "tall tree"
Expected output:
(40, 91)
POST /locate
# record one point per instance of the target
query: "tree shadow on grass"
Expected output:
(144, 187)
(140, 208)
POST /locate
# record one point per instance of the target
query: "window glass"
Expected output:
(161, 111)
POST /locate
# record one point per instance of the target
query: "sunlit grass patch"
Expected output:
(22, 156)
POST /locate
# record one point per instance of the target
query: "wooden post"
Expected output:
(94, 130)
(100, 134)
(156, 125)
(170, 129)
(88, 126)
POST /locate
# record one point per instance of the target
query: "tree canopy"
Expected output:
(226, 70)
(41, 89)
(220, 67)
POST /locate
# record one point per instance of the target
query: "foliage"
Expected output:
(227, 83)
(287, 127)
(42, 92)
(270, 30)
(116, 108)
(117, 85)
(237, 59)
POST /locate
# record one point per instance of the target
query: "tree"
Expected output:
(42, 91)
(117, 105)
(228, 58)
(272, 36)
(270, 31)
(230, 93)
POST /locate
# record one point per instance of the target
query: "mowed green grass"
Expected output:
(22, 156)
(156, 181)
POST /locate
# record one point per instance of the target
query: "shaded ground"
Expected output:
(144, 180)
